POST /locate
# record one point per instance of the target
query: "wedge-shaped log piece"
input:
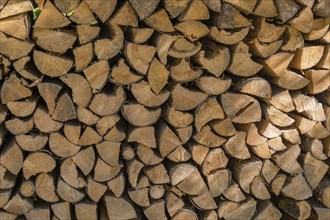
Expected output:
(139, 35)
(142, 135)
(266, 209)
(157, 76)
(324, 62)
(286, 9)
(160, 21)
(173, 203)
(58, 19)
(212, 85)
(140, 197)
(193, 184)
(277, 64)
(236, 146)
(102, 8)
(207, 138)
(167, 140)
(38, 162)
(125, 16)
(213, 57)
(117, 133)
(14, 48)
(119, 208)
(86, 209)
(296, 188)
(54, 41)
(61, 147)
(83, 55)
(111, 45)
(265, 8)
(139, 56)
(103, 172)
(269, 171)
(145, 96)
(184, 99)
(233, 210)
(85, 160)
(86, 116)
(204, 201)
(245, 7)
(61, 210)
(109, 152)
(52, 65)
(281, 99)
(21, 22)
(255, 86)
(108, 101)
(231, 18)
(182, 48)
(253, 137)
(12, 90)
(89, 137)
(163, 42)
(174, 7)
(263, 50)
(19, 126)
(307, 57)
(276, 117)
(234, 193)
(45, 187)
(290, 80)
(182, 71)
(214, 160)
(292, 39)
(24, 107)
(87, 33)
(323, 191)
(11, 157)
(207, 112)
(308, 106)
(147, 155)
(65, 109)
(320, 27)
(303, 124)
(63, 6)
(303, 21)
(314, 170)
(192, 30)
(226, 37)
(298, 209)
(241, 64)
(122, 75)
(95, 190)
(82, 14)
(18, 205)
(139, 115)
(319, 80)
(287, 160)
(186, 213)
(72, 130)
(69, 173)
(97, 75)
(31, 142)
(134, 168)
(223, 127)
(49, 92)
(68, 193)
(266, 32)
(81, 90)
(44, 122)
(259, 189)
(315, 147)
(180, 154)
(244, 171)
(218, 182)
(318, 131)
(196, 10)
(144, 8)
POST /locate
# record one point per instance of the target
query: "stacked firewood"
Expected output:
(164, 109)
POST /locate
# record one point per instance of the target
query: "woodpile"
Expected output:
(164, 109)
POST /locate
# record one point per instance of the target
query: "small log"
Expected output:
(86, 116)
(102, 8)
(227, 37)
(72, 131)
(268, 130)
(157, 174)
(303, 124)
(102, 101)
(134, 168)
(19, 126)
(139, 35)
(61, 210)
(119, 208)
(224, 127)
(127, 152)
(236, 147)
(83, 56)
(193, 30)
(87, 33)
(86, 210)
(292, 39)
(122, 75)
(85, 160)
(117, 185)
(296, 188)
(214, 160)
(45, 187)
(38, 162)
(109, 152)
(11, 157)
(147, 155)
(212, 85)
(142, 135)
(110, 46)
(54, 41)
(245, 171)
(139, 56)
(211, 55)
(117, 133)
(276, 117)
(198, 152)
(68, 193)
(144, 95)
(156, 192)
(298, 209)
(303, 60)
(58, 19)
(64, 110)
(314, 170)
(253, 138)
(182, 71)
(196, 10)
(241, 64)
(82, 14)
(27, 189)
(204, 201)
(179, 100)
(49, 92)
